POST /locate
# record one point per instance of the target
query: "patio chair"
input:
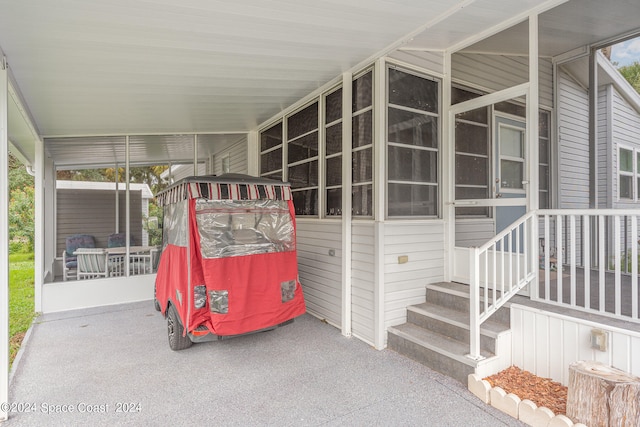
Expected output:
(69, 260)
(92, 263)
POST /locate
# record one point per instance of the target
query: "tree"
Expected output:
(631, 73)
(21, 205)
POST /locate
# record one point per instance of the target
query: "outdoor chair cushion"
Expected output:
(118, 240)
(73, 243)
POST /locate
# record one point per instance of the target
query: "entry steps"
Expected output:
(436, 334)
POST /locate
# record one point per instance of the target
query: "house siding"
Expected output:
(545, 343)
(363, 281)
(93, 212)
(497, 72)
(320, 273)
(404, 284)
(604, 128)
(573, 137)
(432, 61)
(237, 159)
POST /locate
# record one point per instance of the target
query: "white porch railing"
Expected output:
(500, 268)
(589, 261)
(584, 260)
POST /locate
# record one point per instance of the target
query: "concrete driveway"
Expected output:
(113, 366)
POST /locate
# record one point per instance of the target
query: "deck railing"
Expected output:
(585, 260)
(589, 261)
(498, 270)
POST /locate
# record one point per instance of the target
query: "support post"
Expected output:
(347, 85)
(127, 205)
(4, 239)
(474, 305)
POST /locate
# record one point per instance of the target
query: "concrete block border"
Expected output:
(523, 410)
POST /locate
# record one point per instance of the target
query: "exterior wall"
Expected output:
(546, 343)
(625, 128)
(497, 72)
(404, 284)
(605, 183)
(321, 273)
(93, 212)
(363, 281)
(237, 159)
(474, 232)
(573, 137)
(432, 61)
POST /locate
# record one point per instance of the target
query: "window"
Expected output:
(333, 152)
(362, 145)
(472, 155)
(626, 174)
(302, 159)
(412, 144)
(361, 151)
(271, 152)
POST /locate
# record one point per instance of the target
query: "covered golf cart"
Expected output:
(228, 264)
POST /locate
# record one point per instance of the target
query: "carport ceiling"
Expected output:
(95, 67)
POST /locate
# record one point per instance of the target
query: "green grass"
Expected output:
(21, 308)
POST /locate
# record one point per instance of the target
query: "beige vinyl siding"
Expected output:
(423, 244)
(363, 281)
(93, 212)
(321, 273)
(497, 72)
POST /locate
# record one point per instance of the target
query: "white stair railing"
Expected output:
(500, 268)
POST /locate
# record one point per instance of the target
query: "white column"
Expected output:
(39, 227)
(448, 171)
(347, 89)
(533, 108)
(4, 238)
(127, 205)
(379, 199)
(253, 151)
(195, 155)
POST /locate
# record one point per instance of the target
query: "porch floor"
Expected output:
(306, 373)
(594, 290)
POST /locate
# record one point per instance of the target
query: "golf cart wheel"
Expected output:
(156, 304)
(174, 328)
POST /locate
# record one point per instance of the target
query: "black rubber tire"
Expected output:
(156, 304)
(177, 342)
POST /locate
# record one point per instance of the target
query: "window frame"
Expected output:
(634, 174)
(437, 149)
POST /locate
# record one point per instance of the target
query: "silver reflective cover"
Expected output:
(244, 227)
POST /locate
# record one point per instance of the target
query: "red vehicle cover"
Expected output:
(259, 290)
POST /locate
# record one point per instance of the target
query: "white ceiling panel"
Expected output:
(106, 67)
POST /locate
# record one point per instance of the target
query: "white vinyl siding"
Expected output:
(423, 244)
(429, 61)
(546, 343)
(237, 155)
(474, 232)
(573, 137)
(497, 72)
(362, 281)
(605, 193)
(320, 273)
(93, 212)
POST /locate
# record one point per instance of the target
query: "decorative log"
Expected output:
(599, 395)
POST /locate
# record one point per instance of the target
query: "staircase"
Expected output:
(437, 334)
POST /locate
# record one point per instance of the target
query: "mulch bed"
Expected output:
(525, 385)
